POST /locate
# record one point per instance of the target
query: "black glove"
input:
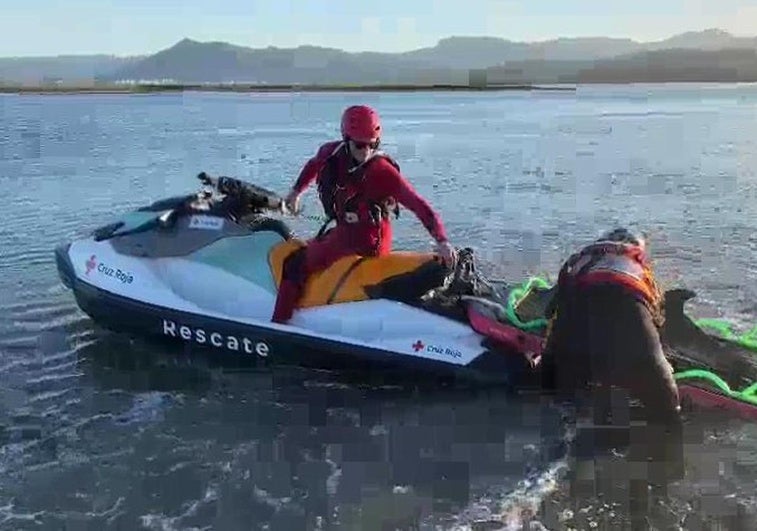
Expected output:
(205, 178)
(231, 186)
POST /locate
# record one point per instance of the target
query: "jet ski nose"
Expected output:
(64, 265)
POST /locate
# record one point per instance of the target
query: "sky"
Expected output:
(135, 27)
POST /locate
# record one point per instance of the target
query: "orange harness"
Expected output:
(615, 263)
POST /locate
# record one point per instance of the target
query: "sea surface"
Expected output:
(104, 431)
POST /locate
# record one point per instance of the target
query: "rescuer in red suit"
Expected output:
(359, 187)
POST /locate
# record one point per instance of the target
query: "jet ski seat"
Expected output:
(402, 275)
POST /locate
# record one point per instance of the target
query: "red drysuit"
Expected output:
(358, 201)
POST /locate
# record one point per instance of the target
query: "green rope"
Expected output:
(516, 296)
(748, 394)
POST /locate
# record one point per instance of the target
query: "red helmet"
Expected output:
(361, 122)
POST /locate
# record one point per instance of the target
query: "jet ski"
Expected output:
(203, 269)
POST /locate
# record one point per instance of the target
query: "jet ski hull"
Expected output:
(229, 317)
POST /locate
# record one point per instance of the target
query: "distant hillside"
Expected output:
(450, 61)
(194, 62)
(711, 39)
(481, 52)
(676, 65)
(189, 61)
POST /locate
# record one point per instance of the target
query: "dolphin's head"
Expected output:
(678, 296)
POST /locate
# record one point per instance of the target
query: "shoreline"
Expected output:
(243, 88)
(151, 88)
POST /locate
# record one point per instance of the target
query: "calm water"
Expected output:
(100, 431)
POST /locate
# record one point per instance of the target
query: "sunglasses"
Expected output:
(363, 145)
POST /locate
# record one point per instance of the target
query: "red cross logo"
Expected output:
(418, 345)
(91, 264)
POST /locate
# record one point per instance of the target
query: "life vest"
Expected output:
(608, 262)
(333, 185)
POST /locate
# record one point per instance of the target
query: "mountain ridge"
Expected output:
(450, 60)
